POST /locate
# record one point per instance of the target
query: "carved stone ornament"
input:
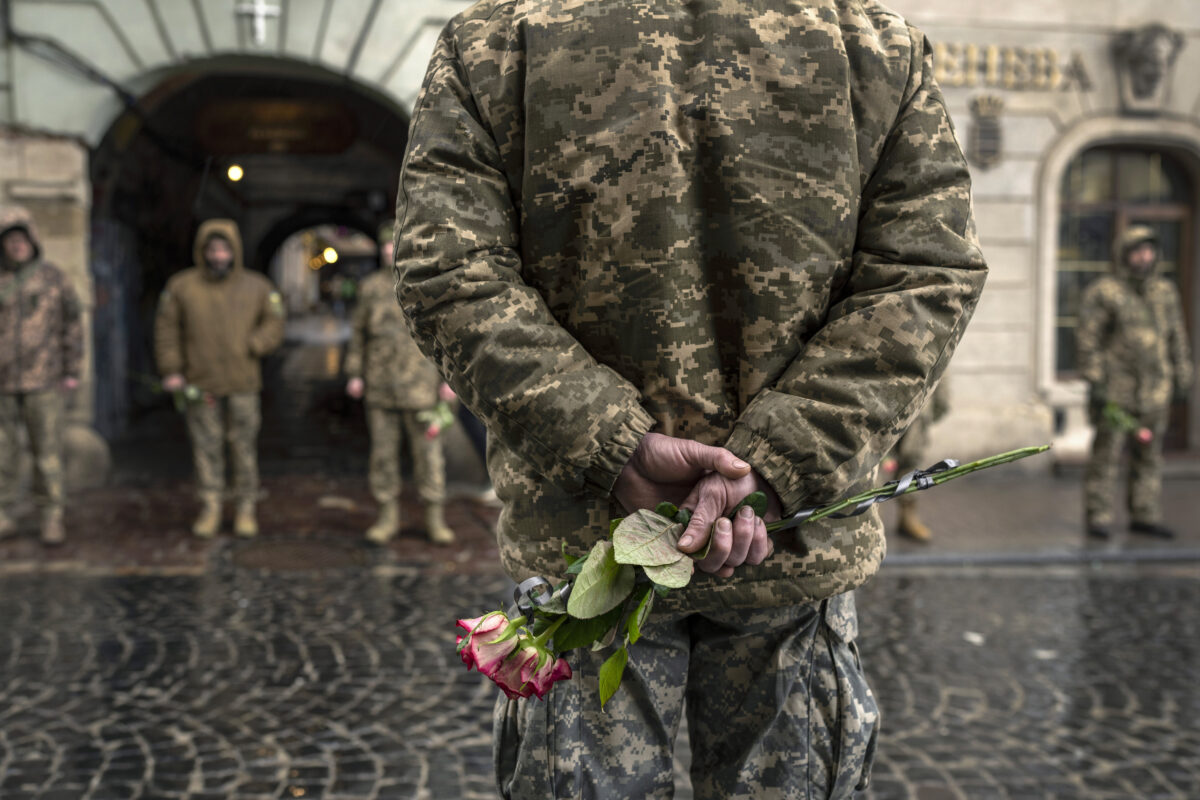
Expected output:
(1145, 60)
(985, 145)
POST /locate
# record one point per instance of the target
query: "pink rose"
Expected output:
(511, 675)
(489, 641)
(547, 671)
(1145, 435)
(433, 431)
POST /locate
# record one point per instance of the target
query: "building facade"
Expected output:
(1078, 118)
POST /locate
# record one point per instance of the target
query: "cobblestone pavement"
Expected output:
(343, 683)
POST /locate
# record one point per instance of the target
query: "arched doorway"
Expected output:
(276, 145)
(1105, 189)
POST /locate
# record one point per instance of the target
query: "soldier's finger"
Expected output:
(714, 459)
(718, 552)
(760, 548)
(743, 537)
(705, 506)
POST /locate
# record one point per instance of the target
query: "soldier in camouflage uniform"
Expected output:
(384, 364)
(216, 321)
(910, 454)
(653, 246)
(41, 355)
(1133, 352)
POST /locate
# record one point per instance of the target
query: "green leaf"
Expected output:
(683, 516)
(602, 583)
(638, 618)
(673, 576)
(577, 565)
(612, 525)
(756, 500)
(570, 559)
(607, 639)
(647, 539)
(575, 633)
(660, 590)
(665, 509)
(610, 674)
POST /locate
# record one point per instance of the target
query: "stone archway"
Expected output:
(308, 145)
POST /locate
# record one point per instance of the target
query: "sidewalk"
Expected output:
(1032, 518)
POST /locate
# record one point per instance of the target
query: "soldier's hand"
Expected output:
(742, 540)
(174, 383)
(664, 468)
(354, 388)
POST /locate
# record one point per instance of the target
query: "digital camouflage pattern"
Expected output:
(233, 420)
(1144, 496)
(40, 414)
(388, 426)
(746, 224)
(776, 701)
(1131, 339)
(215, 330)
(41, 318)
(382, 351)
(1133, 351)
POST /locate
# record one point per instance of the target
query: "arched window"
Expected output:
(1104, 190)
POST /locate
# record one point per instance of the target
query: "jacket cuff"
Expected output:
(775, 467)
(613, 456)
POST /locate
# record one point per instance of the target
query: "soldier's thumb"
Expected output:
(715, 459)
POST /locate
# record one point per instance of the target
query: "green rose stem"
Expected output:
(888, 491)
(540, 640)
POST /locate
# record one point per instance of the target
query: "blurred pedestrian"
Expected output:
(41, 358)
(682, 253)
(911, 453)
(216, 321)
(1133, 353)
(386, 368)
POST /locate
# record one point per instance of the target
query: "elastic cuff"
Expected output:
(775, 468)
(612, 458)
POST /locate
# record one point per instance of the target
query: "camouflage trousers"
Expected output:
(777, 707)
(41, 415)
(231, 421)
(388, 426)
(1144, 496)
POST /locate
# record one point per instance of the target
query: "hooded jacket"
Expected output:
(215, 329)
(1131, 340)
(41, 319)
(747, 224)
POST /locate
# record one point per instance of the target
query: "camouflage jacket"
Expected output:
(744, 225)
(1132, 342)
(382, 351)
(214, 331)
(41, 319)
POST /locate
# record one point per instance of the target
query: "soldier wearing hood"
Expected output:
(216, 321)
(41, 355)
(1133, 352)
(387, 369)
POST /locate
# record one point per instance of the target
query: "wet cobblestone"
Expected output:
(344, 684)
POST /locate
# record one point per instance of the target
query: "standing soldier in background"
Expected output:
(385, 366)
(215, 323)
(910, 454)
(1133, 353)
(41, 355)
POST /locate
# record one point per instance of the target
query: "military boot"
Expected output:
(53, 531)
(245, 522)
(209, 521)
(435, 525)
(910, 525)
(387, 525)
(8, 525)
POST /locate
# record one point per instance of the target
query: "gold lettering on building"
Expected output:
(1032, 69)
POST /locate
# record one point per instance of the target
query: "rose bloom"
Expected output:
(546, 672)
(489, 641)
(510, 675)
